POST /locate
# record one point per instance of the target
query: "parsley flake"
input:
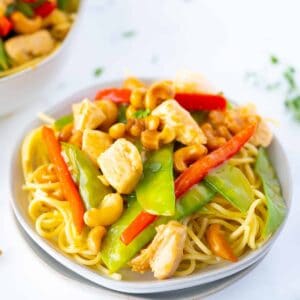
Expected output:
(98, 72)
(142, 113)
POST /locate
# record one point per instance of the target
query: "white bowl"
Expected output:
(32, 83)
(133, 282)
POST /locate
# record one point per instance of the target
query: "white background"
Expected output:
(223, 40)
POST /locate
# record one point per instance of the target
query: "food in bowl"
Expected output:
(168, 177)
(30, 30)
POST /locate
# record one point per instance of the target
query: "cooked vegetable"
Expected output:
(68, 186)
(68, 5)
(272, 190)
(193, 200)
(218, 243)
(45, 9)
(5, 26)
(195, 173)
(114, 252)
(4, 62)
(61, 122)
(114, 94)
(155, 191)
(85, 173)
(25, 8)
(201, 101)
(131, 229)
(198, 170)
(233, 185)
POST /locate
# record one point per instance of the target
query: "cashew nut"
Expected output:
(94, 238)
(108, 213)
(25, 25)
(187, 155)
(159, 92)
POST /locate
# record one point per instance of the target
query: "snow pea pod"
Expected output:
(193, 200)
(4, 61)
(272, 190)
(60, 123)
(232, 184)
(155, 191)
(84, 172)
(116, 254)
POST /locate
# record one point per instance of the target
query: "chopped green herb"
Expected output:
(98, 72)
(128, 34)
(274, 59)
(122, 113)
(288, 75)
(10, 9)
(273, 86)
(142, 113)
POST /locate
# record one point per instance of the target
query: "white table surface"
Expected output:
(222, 39)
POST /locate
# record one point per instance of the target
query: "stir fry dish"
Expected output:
(168, 177)
(32, 29)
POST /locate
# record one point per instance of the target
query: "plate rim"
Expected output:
(146, 287)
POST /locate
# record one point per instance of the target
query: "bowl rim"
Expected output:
(137, 287)
(53, 54)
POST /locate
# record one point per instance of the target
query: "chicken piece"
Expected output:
(95, 142)
(165, 252)
(23, 48)
(121, 164)
(174, 116)
(87, 115)
(263, 135)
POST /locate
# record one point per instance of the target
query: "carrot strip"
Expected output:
(218, 243)
(69, 188)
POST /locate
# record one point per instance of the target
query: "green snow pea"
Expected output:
(60, 123)
(114, 253)
(4, 61)
(232, 184)
(272, 190)
(85, 173)
(193, 200)
(68, 5)
(155, 191)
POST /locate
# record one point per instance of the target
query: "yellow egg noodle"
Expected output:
(53, 220)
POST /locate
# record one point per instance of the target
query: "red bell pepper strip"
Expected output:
(138, 225)
(69, 188)
(188, 101)
(194, 174)
(196, 101)
(45, 9)
(115, 95)
(5, 26)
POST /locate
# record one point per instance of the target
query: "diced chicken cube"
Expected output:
(121, 164)
(165, 252)
(173, 115)
(263, 135)
(95, 142)
(23, 48)
(87, 115)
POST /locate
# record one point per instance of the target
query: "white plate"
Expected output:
(198, 292)
(133, 282)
